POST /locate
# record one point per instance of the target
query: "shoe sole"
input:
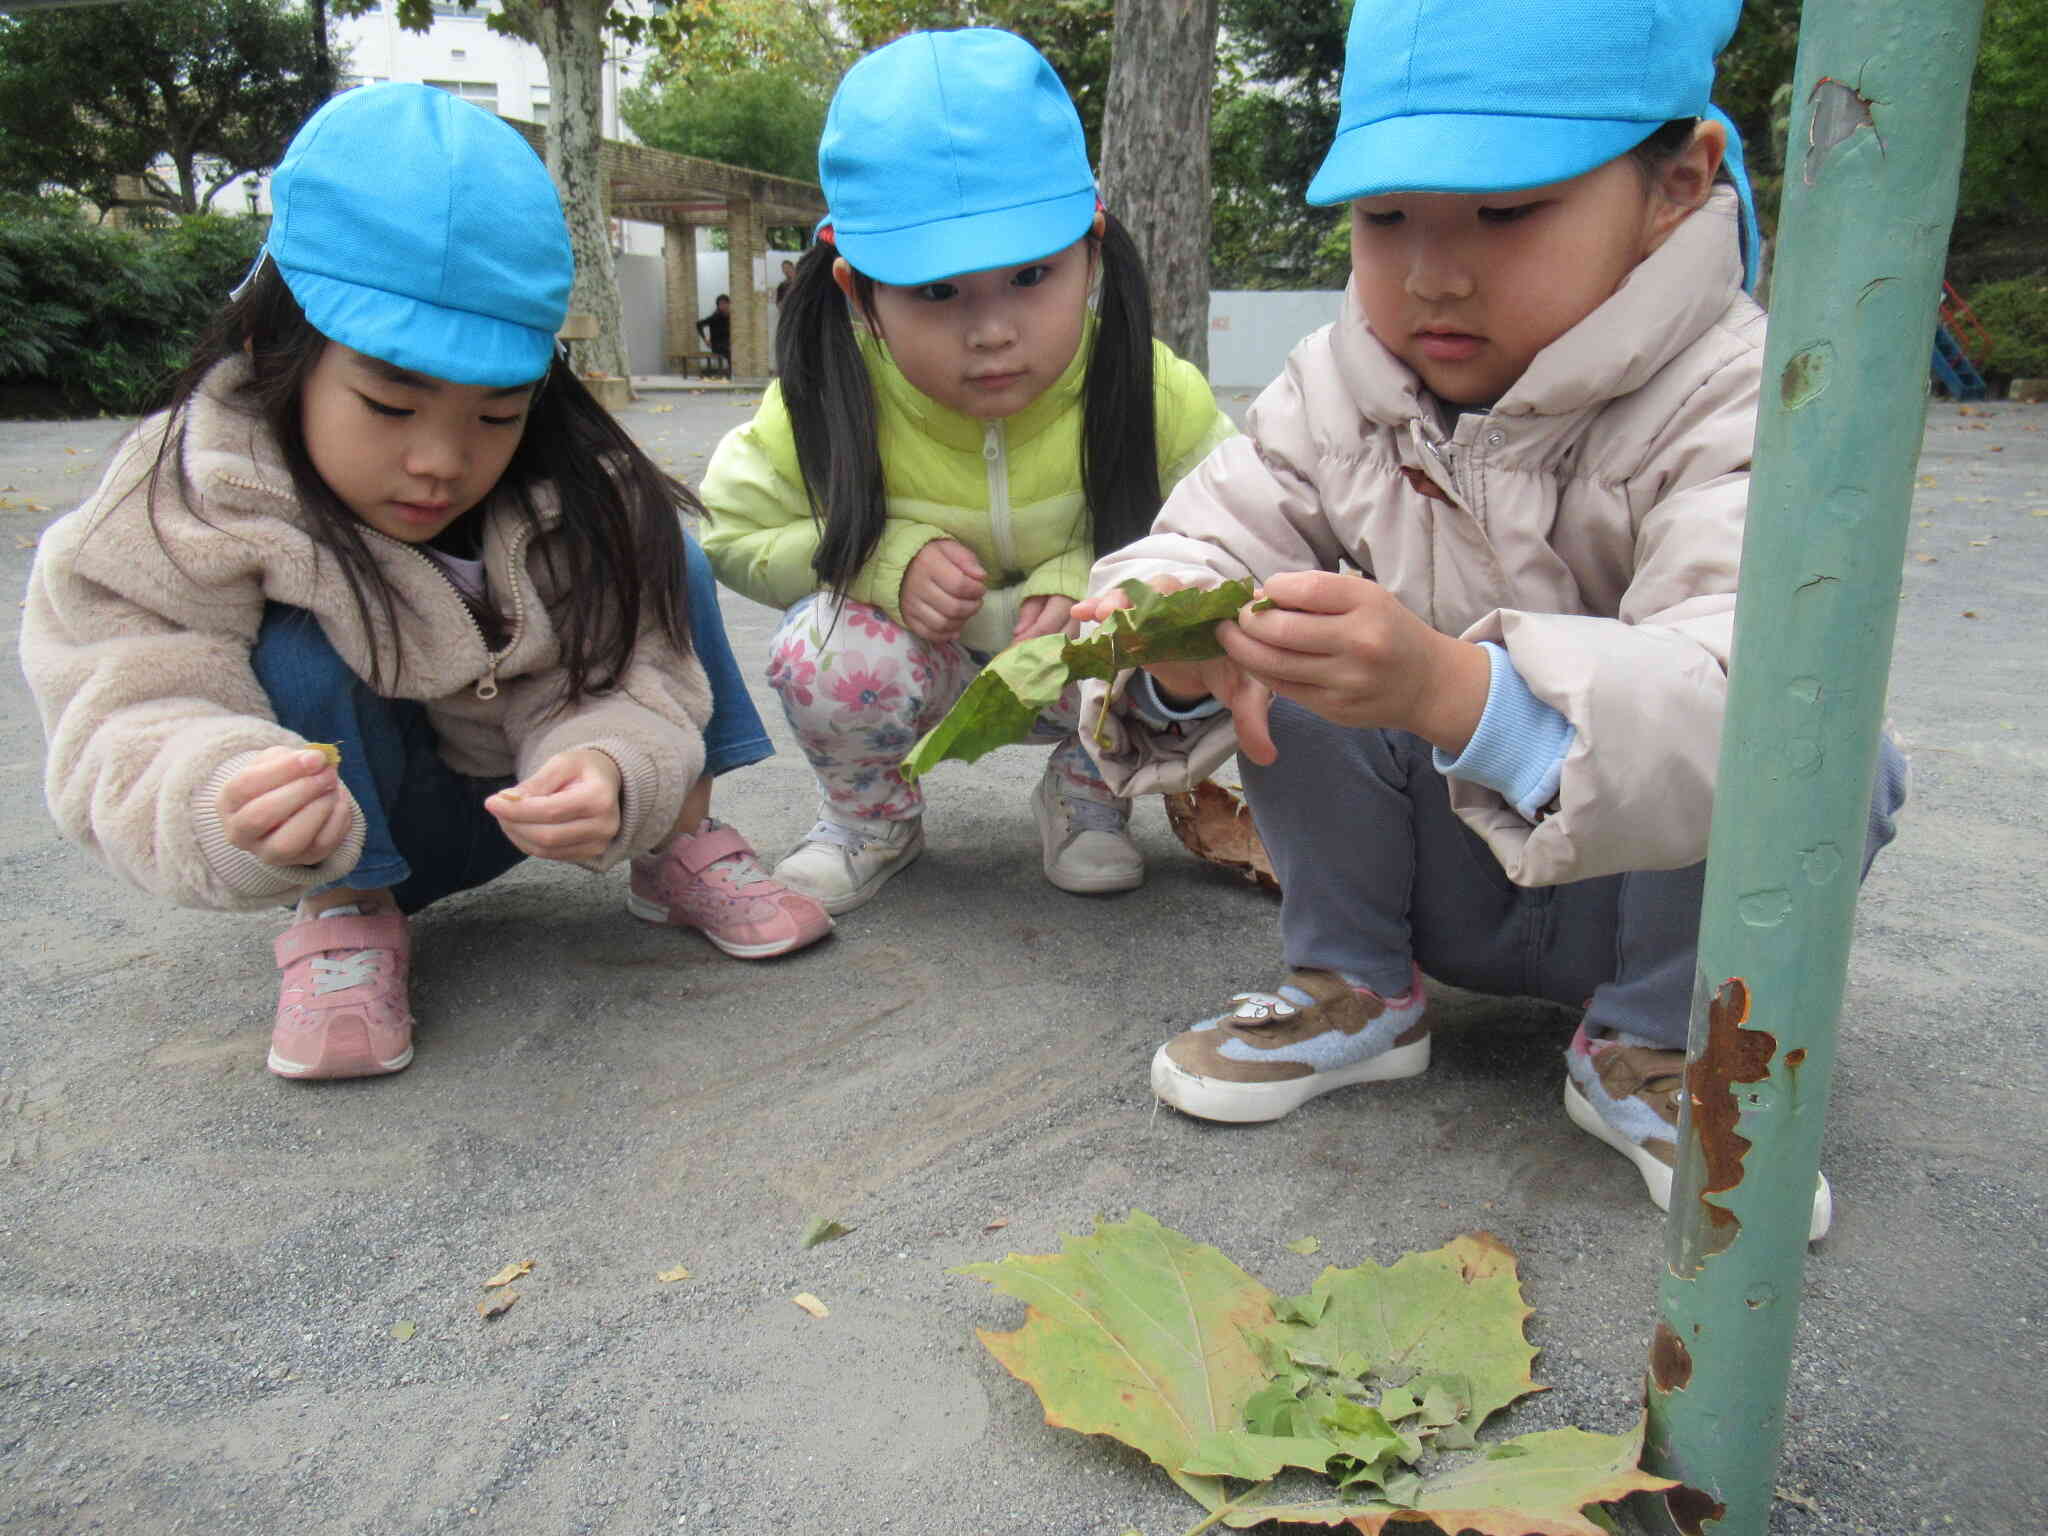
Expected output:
(1209, 1098)
(1657, 1175)
(865, 892)
(649, 912)
(308, 1072)
(1100, 885)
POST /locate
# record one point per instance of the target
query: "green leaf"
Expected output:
(1305, 1245)
(1542, 1489)
(1158, 626)
(1254, 1458)
(999, 706)
(1454, 1312)
(822, 1230)
(1275, 1409)
(1137, 1333)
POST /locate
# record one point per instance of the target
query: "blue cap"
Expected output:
(1495, 95)
(950, 152)
(418, 229)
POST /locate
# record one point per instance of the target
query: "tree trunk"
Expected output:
(1155, 156)
(570, 36)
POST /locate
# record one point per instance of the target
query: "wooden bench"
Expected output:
(706, 365)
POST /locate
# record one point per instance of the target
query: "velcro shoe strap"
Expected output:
(699, 853)
(322, 934)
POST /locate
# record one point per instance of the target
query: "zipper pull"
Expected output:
(991, 441)
(487, 685)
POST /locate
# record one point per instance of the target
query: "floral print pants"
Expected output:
(859, 690)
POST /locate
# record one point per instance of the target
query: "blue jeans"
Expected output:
(426, 832)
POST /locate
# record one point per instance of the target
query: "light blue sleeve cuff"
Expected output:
(1146, 704)
(1519, 747)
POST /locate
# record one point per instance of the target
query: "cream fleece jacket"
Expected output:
(136, 640)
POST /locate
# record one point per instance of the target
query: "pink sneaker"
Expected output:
(342, 1011)
(713, 880)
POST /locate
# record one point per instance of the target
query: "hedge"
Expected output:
(95, 319)
(2015, 313)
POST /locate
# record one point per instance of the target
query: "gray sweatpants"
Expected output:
(1375, 870)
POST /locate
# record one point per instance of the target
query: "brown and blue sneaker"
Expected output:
(1273, 1051)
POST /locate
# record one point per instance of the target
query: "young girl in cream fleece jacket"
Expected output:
(1498, 509)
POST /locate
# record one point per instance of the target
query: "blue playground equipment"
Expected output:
(1955, 361)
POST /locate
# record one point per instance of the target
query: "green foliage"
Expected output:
(2005, 155)
(2015, 313)
(766, 119)
(1379, 1379)
(103, 318)
(217, 87)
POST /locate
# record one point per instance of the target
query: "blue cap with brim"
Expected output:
(421, 230)
(950, 152)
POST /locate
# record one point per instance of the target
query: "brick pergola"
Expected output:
(678, 192)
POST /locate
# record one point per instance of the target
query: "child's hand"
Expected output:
(1346, 648)
(568, 809)
(286, 807)
(942, 590)
(1045, 614)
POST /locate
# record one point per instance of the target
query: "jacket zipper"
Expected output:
(998, 496)
(487, 685)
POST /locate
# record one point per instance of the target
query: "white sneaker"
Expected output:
(1087, 842)
(840, 866)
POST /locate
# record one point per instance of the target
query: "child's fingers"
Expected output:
(1248, 701)
(962, 559)
(296, 839)
(1318, 591)
(257, 817)
(272, 769)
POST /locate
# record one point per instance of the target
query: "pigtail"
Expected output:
(1119, 421)
(832, 415)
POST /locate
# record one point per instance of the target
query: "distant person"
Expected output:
(971, 434)
(382, 514)
(716, 330)
(1498, 510)
(788, 277)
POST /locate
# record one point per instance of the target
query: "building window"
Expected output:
(482, 93)
(537, 108)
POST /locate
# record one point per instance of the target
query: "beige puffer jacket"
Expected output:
(136, 641)
(1591, 523)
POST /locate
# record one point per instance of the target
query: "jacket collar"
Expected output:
(955, 429)
(1660, 309)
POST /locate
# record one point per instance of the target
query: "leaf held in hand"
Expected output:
(331, 750)
(1158, 626)
(517, 1269)
(822, 1230)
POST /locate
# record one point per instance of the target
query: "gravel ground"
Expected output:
(201, 1266)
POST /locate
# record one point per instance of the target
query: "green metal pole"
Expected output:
(1870, 190)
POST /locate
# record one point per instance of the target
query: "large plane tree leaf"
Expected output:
(1377, 1379)
(1022, 681)
(1137, 1333)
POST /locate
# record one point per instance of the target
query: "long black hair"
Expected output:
(832, 407)
(615, 558)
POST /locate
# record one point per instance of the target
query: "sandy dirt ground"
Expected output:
(202, 1266)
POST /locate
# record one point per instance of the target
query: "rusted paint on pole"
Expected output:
(1876, 145)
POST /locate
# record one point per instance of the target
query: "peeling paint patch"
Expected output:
(1838, 112)
(1670, 1360)
(1733, 1055)
(1796, 1059)
(1691, 1510)
(1822, 863)
(1767, 908)
(1807, 375)
(1806, 690)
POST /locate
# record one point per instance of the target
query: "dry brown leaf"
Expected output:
(811, 1304)
(671, 1276)
(1969, 613)
(1214, 823)
(1926, 559)
(496, 1306)
(997, 1225)
(511, 1272)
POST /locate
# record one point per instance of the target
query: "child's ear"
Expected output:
(1683, 182)
(842, 274)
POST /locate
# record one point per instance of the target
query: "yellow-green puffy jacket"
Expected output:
(1009, 490)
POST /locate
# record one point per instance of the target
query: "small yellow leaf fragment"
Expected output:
(403, 1331)
(513, 1271)
(1925, 482)
(331, 750)
(671, 1276)
(1305, 1245)
(2039, 512)
(496, 1306)
(811, 1304)
(822, 1230)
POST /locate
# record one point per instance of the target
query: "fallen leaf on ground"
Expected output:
(1969, 613)
(403, 1331)
(671, 1276)
(822, 1230)
(1213, 822)
(511, 1272)
(496, 1306)
(1306, 1245)
(1925, 482)
(811, 1304)
(1787, 1496)
(996, 1225)
(1927, 559)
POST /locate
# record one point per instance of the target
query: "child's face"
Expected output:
(987, 343)
(406, 453)
(1466, 289)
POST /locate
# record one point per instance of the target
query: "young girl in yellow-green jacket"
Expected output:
(956, 435)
